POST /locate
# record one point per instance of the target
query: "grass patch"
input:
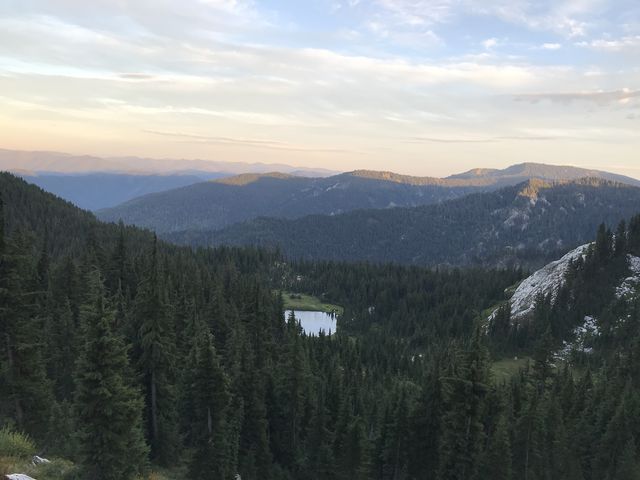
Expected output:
(506, 368)
(15, 444)
(301, 301)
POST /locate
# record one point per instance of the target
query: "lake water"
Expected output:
(314, 322)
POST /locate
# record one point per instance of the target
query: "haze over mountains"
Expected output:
(93, 183)
(528, 224)
(18, 161)
(218, 204)
(525, 214)
(94, 191)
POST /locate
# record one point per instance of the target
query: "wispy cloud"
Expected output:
(602, 98)
(627, 43)
(419, 78)
(246, 142)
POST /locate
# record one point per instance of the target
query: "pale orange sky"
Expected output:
(378, 85)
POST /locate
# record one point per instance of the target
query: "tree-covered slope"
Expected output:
(527, 224)
(218, 204)
(215, 205)
(126, 356)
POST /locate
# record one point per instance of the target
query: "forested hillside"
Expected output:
(215, 205)
(126, 355)
(529, 224)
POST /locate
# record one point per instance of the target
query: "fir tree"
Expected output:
(464, 389)
(109, 411)
(28, 392)
(210, 401)
(157, 362)
(496, 463)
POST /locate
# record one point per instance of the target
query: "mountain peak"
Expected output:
(395, 177)
(247, 178)
(529, 170)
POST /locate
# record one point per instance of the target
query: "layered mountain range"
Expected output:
(527, 224)
(220, 203)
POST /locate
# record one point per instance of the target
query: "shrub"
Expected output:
(15, 444)
(8, 465)
(57, 469)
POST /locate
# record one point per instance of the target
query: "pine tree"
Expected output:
(27, 390)
(425, 428)
(464, 389)
(291, 391)
(496, 464)
(633, 237)
(628, 466)
(621, 239)
(210, 400)
(603, 246)
(109, 411)
(157, 362)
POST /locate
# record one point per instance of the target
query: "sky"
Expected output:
(423, 87)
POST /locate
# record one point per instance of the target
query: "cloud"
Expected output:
(569, 19)
(417, 70)
(448, 140)
(602, 98)
(136, 76)
(495, 139)
(245, 142)
(489, 43)
(631, 42)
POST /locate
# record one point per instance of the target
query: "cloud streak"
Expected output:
(369, 82)
(249, 143)
(600, 98)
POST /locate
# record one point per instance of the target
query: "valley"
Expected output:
(403, 338)
(322, 240)
(526, 225)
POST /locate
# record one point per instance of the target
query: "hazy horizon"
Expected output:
(427, 87)
(185, 165)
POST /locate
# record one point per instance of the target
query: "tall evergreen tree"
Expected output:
(28, 394)
(464, 388)
(210, 392)
(497, 460)
(109, 410)
(157, 362)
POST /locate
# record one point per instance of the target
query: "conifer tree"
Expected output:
(496, 463)
(28, 392)
(157, 362)
(628, 467)
(210, 401)
(621, 239)
(425, 428)
(633, 237)
(109, 411)
(464, 389)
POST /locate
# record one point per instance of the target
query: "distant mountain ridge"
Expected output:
(512, 175)
(219, 204)
(57, 162)
(247, 178)
(527, 225)
(95, 191)
(523, 171)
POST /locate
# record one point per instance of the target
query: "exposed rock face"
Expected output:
(629, 286)
(546, 281)
(549, 279)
